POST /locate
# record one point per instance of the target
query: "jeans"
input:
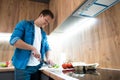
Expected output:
(30, 73)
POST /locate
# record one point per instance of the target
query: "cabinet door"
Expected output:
(62, 9)
(45, 77)
(9, 75)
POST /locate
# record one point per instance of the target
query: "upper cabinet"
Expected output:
(62, 9)
(67, 11)
(13, 11)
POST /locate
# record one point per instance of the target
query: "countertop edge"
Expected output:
(57, 76)
(5, 69)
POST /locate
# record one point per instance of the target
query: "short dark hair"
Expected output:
(47, 12)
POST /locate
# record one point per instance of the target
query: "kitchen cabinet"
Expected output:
(98, 40)
(7, 75)
(44, 77)
(13, 11)
(62, 9)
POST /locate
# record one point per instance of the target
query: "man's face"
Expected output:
(46, 20)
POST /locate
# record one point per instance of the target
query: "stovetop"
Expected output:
(98, 74)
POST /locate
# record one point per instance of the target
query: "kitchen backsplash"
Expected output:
(6, 51)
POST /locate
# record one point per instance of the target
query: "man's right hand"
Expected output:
(36, 54)
(22, 45)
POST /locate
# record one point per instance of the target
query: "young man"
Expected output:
(31, 46)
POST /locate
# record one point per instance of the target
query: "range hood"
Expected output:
(92, 8)
(88, 10)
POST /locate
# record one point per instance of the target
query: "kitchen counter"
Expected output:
(57, 74)
(5, 69)
(98, 74)
(7, 73)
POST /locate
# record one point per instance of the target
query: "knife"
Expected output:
(46, 63)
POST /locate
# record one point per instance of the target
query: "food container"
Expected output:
(82, 67)
(79, 69)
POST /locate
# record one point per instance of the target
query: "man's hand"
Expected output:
(50, 62)
(22, 45)
(36, 54)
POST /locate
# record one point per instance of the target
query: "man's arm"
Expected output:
(48, 58)
(22, 45)
(16, 40)
(48, 55)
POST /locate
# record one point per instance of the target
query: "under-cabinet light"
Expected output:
(5, 36)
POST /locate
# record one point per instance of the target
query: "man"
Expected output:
(31, 45)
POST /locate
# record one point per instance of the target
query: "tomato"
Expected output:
(69, 65)
(64, 65)
(7, 63)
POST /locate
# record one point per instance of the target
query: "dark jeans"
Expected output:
(30, 73)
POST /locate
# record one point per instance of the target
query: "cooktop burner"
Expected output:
(98, 74)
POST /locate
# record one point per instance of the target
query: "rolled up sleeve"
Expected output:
(13, 41)
(17, 33)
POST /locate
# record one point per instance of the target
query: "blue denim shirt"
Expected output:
(24, 30)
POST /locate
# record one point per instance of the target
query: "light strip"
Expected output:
(5, 36)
